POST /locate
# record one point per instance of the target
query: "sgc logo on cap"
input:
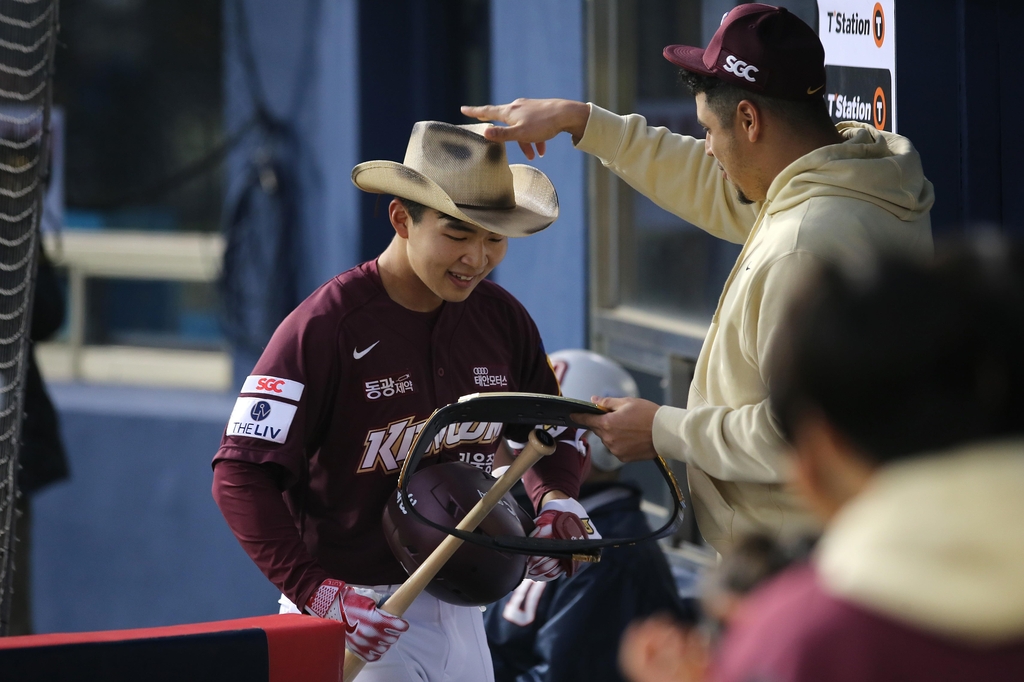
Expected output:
(740, 68)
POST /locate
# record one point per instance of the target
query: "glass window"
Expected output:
(663, 265)
(152, 313)
(139, 90)
(672, 267)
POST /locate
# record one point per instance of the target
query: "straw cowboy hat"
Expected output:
(457, 171)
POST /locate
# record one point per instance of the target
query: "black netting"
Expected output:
(27, 38)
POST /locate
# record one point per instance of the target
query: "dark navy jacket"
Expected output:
(569, 629)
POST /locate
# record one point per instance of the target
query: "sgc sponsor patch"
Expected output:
(283, 388)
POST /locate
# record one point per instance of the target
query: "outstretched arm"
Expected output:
(533, 121)
(674, 171)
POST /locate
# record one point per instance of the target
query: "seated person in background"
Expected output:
(569, 629)
(902, 393)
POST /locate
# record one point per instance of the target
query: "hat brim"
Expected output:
(689, 58)
(536, 201)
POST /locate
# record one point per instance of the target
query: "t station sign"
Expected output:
(860, 60)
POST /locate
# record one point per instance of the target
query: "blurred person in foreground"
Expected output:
(902, 392)
(569, 628)
(682, 653)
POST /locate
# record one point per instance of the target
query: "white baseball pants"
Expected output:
(444, 643)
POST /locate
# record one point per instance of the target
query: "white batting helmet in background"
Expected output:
(582, 374)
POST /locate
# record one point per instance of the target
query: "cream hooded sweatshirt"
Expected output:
(840, 203)
(937, 542)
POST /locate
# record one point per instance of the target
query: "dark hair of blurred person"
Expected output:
(755, 559)
(905, 359)
(902, 393)
(660, 648)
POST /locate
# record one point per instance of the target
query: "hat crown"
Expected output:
(761, 48)
(457, 171)
(471, 169)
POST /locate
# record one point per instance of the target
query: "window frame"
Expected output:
(666, 346)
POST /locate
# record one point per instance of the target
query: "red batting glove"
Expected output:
(369, 631)
(559, 519)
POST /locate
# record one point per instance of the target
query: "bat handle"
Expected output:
(353, 665)
(540, 444)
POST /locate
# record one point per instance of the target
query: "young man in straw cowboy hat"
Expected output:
(313, 448)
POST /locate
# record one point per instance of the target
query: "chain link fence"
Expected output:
(28, 30)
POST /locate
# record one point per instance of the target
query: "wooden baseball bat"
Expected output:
(540, 444)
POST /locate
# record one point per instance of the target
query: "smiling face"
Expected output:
(723, 141)
(447, 257)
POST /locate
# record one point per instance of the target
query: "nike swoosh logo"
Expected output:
(811, 92)
(358, 354)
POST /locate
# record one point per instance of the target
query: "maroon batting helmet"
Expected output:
(444, 493)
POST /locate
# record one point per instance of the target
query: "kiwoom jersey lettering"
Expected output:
(388, 447)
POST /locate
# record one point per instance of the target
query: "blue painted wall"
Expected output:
(134, 538)
(537, 50)
(328, 119)
(419, 61)
(324, 80)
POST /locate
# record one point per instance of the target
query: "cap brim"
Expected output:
(689, 58)
(536, 201)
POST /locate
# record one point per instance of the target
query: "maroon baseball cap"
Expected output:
(760, 48)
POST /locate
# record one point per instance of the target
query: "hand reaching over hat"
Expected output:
(532, 121)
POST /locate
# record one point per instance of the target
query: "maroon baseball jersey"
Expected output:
(346, 383)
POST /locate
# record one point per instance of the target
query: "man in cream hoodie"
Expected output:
(774, 174)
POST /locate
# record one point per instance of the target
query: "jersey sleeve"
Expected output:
(254, 509)
(567, 467)
(284, 405)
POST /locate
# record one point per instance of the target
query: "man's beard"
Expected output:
(743, 198)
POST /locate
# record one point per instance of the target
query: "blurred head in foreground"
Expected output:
(754, 560)
(900, 360)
